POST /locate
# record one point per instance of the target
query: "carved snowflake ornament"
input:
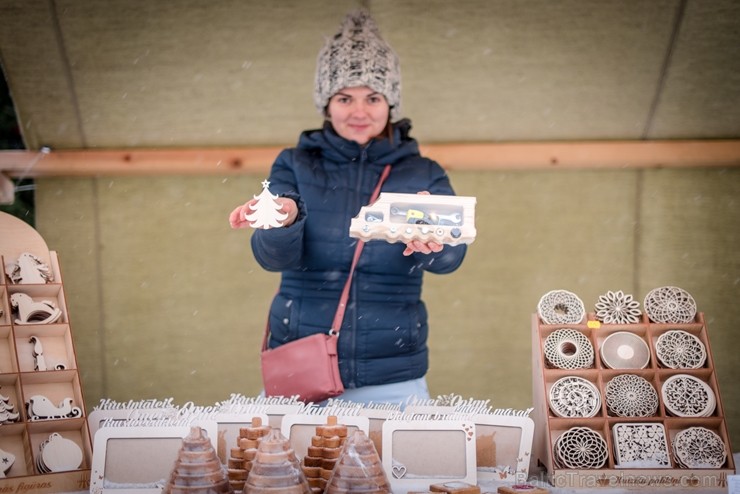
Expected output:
(617, 308)
(561, 307)
(580, 447)
(574, 396)
(699, 447)
(688, 396)
(641, 445)
(629, 395)
(670, 305)
(677, 349)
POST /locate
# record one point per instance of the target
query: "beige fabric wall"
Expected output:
(165, 300)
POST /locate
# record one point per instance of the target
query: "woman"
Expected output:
(322, 183)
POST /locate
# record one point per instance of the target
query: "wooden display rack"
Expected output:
(19, 380)
(548, 426)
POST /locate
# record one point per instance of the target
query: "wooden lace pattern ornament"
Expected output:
(574, 396)
(641, 445)
(580, 447)
(617, 308)
(569, 349)
(688, 396)
(670, 305)
(699, 447)
(678, 349)
(561, 307)
(629, 395)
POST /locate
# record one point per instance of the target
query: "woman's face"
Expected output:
(358, 113)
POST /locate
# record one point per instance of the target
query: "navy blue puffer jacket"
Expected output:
(384, 334)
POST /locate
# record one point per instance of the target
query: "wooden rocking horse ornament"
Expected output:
(33, 312)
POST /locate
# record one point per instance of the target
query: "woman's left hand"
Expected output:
(423, 247)
(418, 245)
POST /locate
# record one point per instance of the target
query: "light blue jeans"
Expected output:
(401, 392)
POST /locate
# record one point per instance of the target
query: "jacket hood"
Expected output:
(338, 149)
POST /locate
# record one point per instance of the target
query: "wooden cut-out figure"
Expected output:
(39, 362)
(266, 211)
(33, 312)
(7, 415)
(6, 461)
(59, 454)
(29, 269)
(40, 407)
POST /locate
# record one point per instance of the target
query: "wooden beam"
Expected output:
(483, 156)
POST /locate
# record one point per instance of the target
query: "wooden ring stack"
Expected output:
(275, 468)
(358, 468)
(198, 469)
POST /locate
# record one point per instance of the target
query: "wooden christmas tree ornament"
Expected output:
(266, 211)
(6, 462)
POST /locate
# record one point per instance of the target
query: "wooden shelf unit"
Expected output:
(19, 381)
(548, 426)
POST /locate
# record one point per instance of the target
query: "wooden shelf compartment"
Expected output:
(50, 258)
(8, 359)
(10, 387)
(14, 439)
(56, 341)
(50, 292)
(55, 386)
(5, 312)
(73, 429)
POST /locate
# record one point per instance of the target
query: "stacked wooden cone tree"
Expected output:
(358, 469)
(198, 469)
(322, 455)
(242, 456)
(275, 468)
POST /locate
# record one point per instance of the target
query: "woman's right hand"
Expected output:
(238, 217)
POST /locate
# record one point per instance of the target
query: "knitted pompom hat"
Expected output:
(358, 56)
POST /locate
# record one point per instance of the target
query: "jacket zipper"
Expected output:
(353, 291)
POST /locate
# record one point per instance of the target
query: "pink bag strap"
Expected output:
(342, 307)
(336, 325)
